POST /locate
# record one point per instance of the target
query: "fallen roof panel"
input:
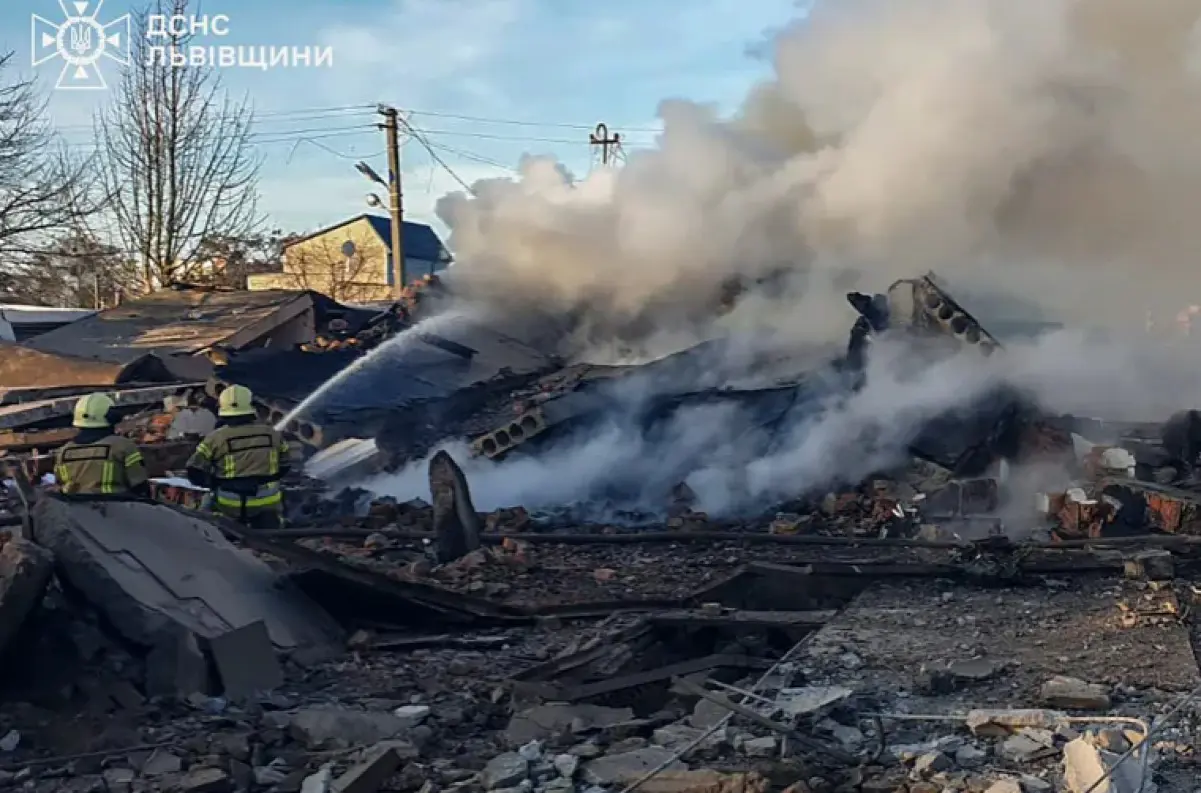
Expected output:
(168, 322)
(22, 367)
(404, 371)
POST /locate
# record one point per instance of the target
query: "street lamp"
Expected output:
(369, 172)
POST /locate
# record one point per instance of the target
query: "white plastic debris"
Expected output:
(1077, 495)
(1118, 460)
(320, 782)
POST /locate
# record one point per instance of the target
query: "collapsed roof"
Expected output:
(159, 337)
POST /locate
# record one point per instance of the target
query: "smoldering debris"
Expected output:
(625, 440)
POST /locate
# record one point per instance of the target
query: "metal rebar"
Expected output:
(720, 723)
(740, 709)
(743, 692)
(1145, 743)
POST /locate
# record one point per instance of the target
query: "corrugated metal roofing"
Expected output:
(168, 322)
(400, 375)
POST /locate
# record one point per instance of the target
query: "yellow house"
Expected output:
(351, 261)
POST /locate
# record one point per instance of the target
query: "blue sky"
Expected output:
(535, 75)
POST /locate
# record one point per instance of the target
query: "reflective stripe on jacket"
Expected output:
(268, 496)
(110, 466)
(241, 451)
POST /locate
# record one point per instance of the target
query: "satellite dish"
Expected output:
(348, 248)
(373, 200)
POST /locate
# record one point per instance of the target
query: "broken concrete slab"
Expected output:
(1005, 786)
(544, 721)
(160, 576)
(322, 727)
(456, 523)
(205, 780)
(505, 771)
(627, 767)
(1083, 768)
(1022, 749)
(246, 661)
(176, 665)
(25, 570)
(705, 781)
(378, 763)
(1073, 694)
(811, 700)
(677, 735)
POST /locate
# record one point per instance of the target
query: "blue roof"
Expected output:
(420, 241)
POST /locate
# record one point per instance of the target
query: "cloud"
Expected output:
(428, 46)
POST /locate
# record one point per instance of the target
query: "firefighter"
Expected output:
(242, 462)
(98, 462)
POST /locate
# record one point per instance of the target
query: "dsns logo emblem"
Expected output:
(82, 42)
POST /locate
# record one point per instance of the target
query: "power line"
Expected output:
(272, 137)
(520, 138)
(323, 110)
(272, 116)
(330, 150)
(469, 155)
(515, 122)
(343, 110)
(434, 155)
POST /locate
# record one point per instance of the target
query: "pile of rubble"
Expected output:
(890, 635)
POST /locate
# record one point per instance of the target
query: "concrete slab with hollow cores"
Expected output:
(156, 574)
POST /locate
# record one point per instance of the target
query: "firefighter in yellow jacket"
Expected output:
(98, 462)
(242, 462)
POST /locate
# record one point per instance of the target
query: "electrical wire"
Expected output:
(336, 111)
(519, 123)
(420, 138)
(313, 134)
(273, 116)
(469, 155)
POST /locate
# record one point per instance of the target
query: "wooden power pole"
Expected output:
(600, 137)
(391, 127)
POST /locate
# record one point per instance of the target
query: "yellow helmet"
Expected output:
(91, 412)
(236, 400)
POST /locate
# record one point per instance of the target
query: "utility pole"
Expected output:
(601, 138)
(391, 127)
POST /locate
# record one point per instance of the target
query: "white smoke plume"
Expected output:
(1046, 149)
(1048, 145)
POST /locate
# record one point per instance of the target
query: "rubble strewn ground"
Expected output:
(894, 634)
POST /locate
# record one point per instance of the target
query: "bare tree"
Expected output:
(43, 190)
(177, 157)
(229, 260)
(75, 270)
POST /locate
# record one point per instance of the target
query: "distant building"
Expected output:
(351, 261)
(19, 323)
